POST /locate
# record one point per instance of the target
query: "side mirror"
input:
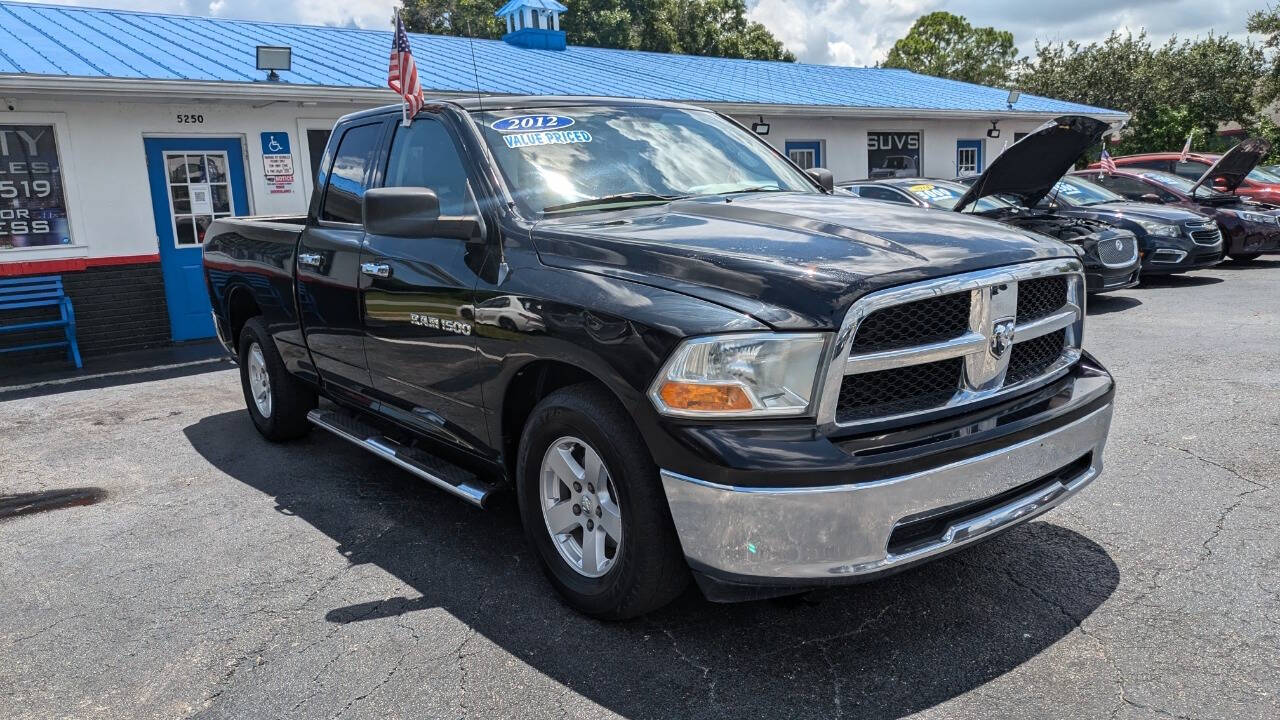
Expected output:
(413, 212)
(823, 177)
(1151, 198)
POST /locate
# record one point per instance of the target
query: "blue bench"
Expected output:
(42, 291)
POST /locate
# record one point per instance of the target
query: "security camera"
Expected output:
(10, 104)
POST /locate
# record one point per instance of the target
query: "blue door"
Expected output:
(968, 157)
(193, 181)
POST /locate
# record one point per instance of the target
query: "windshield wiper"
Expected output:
(752, 189)
(620, 198)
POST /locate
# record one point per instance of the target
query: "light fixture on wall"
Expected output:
(272, 58)
(1013, 97)
(994, 132)
(761, 127)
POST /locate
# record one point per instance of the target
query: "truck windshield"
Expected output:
(591, 158)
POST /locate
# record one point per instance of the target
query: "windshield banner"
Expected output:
(893, 154)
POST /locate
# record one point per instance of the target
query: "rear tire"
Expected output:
(585, 432)
(277, 401)
(1245, 257)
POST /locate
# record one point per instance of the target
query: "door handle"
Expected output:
(313, 260)
(376, 269)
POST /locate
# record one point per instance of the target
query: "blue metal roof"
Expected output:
(82, 42)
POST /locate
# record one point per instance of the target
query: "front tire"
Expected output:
(277, 401)
(1245, 257)
(593, 508)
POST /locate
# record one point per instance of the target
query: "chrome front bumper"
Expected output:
(776, 535)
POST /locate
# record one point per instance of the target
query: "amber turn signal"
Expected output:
(704, 398)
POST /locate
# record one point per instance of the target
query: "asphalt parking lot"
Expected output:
(223, 576)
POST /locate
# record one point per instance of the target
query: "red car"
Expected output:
(1259, 184)
(1249, 227)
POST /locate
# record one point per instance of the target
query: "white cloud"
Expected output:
(842, 32)
(860, 32)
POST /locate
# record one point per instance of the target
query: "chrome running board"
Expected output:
(441, 473)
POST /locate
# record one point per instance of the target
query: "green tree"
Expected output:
(452, 17)
(1267, 24)
(1169, 91)
(946, 45)
(694, 27)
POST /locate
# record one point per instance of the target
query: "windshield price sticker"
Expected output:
(554, 137)
(1064, 188)
(931, 192)
(525, 123)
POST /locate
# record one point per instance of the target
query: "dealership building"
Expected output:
(124, 134)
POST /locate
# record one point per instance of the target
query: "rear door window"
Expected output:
(350, 174)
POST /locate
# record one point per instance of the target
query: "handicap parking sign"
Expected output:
(275, 143)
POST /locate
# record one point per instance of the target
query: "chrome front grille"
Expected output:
(1119, 251)
(1041, 296)
(898, 326)
(903, 352)
(1204, 233)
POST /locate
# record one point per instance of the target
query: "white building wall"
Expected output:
(100, 144)
(845, 139)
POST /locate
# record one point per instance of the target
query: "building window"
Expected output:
(968, 157)
(199, 192)
(33, 207)
(805, 154)
(893, 154)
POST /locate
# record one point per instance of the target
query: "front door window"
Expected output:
(199, 191)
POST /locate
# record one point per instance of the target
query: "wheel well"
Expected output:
(532, 383)
(240, 307)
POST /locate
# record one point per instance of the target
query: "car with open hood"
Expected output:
(682, 356)
(1249, 228)
(1011, 187)
(1170, 239)
(1260, 183)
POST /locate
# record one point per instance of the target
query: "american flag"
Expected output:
(1186, 147)
(1108, 165)
(402, 75)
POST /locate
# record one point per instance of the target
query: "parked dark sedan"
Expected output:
(1170, 239)
(1110, 255)
(1015, 183)
(1248, 228)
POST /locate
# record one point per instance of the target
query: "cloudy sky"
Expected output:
(845, 32)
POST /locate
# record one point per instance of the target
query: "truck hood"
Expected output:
(1234, 165)
(1029, 168)
(791, 260)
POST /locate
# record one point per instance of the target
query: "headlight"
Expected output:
(1255, 217)
(760, 374)
(1155, 227)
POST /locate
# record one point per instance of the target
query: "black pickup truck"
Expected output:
(684, 356)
